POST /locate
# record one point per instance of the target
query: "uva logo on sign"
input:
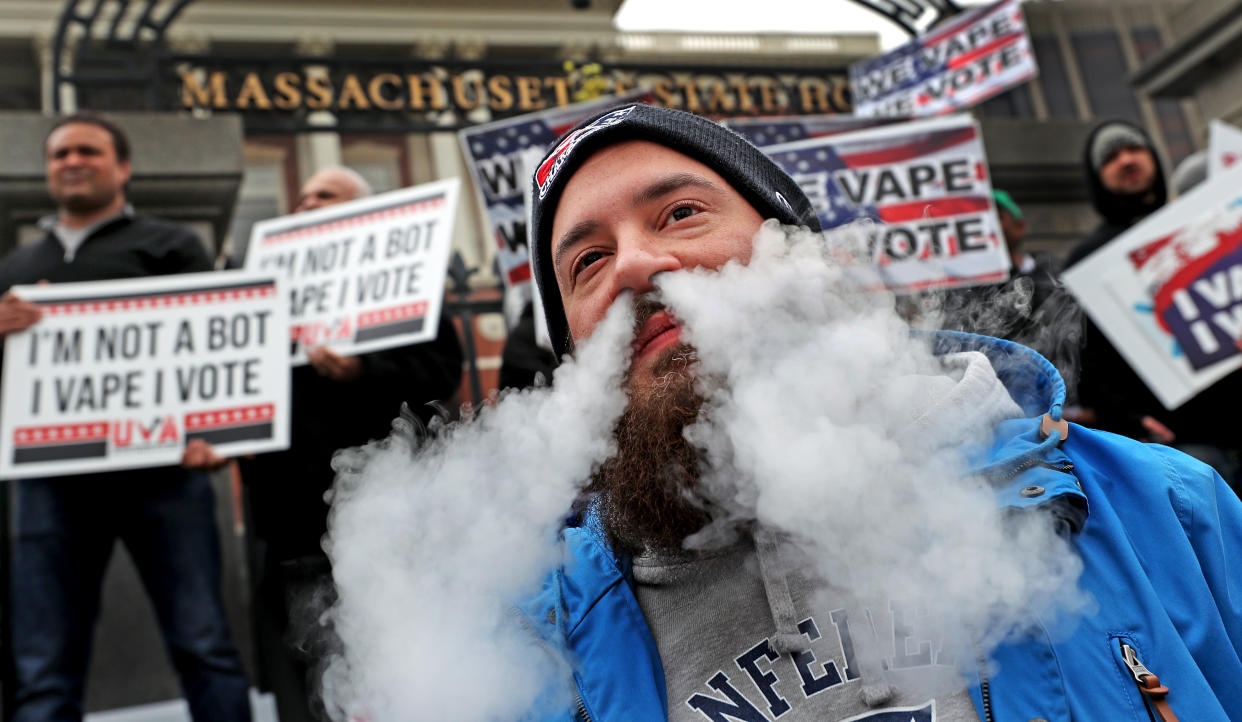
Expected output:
(137, 434)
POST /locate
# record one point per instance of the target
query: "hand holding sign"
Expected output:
(334, 366)
(201, 455)
(1160, 433)
(16, 314)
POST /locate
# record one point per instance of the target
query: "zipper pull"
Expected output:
(1148, 684)
(1132, 661)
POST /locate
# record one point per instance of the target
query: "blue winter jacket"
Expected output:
(1160, 536)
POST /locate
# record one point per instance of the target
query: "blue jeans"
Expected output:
(66, 528)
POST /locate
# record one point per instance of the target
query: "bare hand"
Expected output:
(334, 365)
(1082, 415)
(1160, 433)
(16, 314)
(202, 456)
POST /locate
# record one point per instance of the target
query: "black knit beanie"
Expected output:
(767, 187)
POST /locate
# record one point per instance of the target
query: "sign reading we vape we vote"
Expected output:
(908, 205)
(974, 56)
(122, 374)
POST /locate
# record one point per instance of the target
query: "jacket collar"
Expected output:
(51, 222)
(1026, 467)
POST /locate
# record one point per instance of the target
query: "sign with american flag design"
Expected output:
(965, 61)
(776, 130)
(364, 275)
(909, 205)
(122, 374)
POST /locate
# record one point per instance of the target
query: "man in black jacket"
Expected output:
(66, 526)
(1126, 184)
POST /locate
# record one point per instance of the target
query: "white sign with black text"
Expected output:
(121, 374)
(364, 275)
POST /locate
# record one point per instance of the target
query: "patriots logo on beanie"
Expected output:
(552, 164)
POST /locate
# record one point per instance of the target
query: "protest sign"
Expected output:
(364, 275)
(1168, 292)
(909, 203)
(789, 128)
(121, 374)
(1224, 147)
(969, 59)
(493, 152)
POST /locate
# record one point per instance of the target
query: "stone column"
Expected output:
(321, 149)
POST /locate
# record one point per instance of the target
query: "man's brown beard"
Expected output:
(646, 491)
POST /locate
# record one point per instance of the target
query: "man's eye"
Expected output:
(682, 213)
(585, 260)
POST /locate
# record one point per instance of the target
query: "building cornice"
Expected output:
(1175, 71)
(536, 25)
(28, 18)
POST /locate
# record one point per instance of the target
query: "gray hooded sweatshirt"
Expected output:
(748, 632)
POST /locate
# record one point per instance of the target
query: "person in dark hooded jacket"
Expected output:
(1126, 183)
(1125, 180)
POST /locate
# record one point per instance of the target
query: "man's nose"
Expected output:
(638, 259)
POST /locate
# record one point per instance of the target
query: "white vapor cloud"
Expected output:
(827, 421)
(430, 546)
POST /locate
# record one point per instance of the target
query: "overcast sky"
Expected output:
(788, 16)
